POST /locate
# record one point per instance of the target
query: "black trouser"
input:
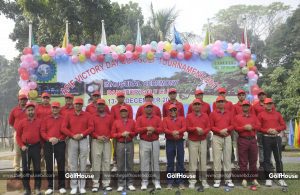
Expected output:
(272, 144)
(33, 153)
(59, 155)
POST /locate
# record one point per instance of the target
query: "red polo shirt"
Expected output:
(52, 127)
(103, 125)
(179, 106)
(16, 115)
(78, 124)
(92, 109)
(193, 121)
(66, 109)
(42, 111)
(241, 120)
(219, 121)
(115, 111)
(28, 131)
(170, 125)
(143, 122)
(272, 120)
(205, 108)
(120, 126)
(156, 111)
(228, 106)
(238, 109)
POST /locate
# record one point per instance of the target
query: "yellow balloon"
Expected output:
(250, 63)
(168, 47)
(81, 57)
(150, 55)
(33, 94)
(45, 57)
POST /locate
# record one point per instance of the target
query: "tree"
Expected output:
(162, 20)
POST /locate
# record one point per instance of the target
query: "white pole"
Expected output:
(30, 34)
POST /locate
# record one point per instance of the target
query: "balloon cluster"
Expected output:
(164, 50)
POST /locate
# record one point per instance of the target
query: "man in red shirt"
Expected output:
(101, 146)
(15, 116)
(221, 126)
(78, 125)
(44, 109)
(205, 107)
(54, 140)
(28, 139)
(115, 114)
(149, 126)
(228, 104)
(68, 107)
(174, 126)
(173, 101)
(246, 124)
(123, 131)
(272, 124)
(198, 127)
(141, 109)
(92, 107)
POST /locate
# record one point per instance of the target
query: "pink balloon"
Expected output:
(93, 57)
(129, 47)
(160, 46)
(82, 49)
(255, 77)
(220, 53)
(242, 47)
(32, 85)
(242, 63)
(51, 53)
(215, 50)
(180, 55)
(250, 74)
(106, 49)
(114, 55)
(218, 43)
(74, 59)
(128, 54)
(239, 56)
(166, 56)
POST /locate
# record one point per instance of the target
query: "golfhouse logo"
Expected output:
(79, 176)
(283, 176)
(180, 176)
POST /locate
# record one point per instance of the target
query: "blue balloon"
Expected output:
(211, 56)
(179, 47)
(224, 45)
(64, 58)
(143, 56)
(35, 49)
(253, 57)
(250, 97)
(158, 54)
(108, 58)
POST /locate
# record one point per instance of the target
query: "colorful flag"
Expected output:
(103, 37)
(296, 135)
(64, 43)
(207, 38)
(138, 35)
(177, 37)
(291, 133)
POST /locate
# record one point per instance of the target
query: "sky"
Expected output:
(193, 14)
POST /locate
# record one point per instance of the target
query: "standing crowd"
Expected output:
(71, 136)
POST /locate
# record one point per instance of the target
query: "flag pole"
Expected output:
(67, 32)
(103, 37)
(245, 31)
(209, 41)
(30, 34)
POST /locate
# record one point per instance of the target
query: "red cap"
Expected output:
(22, 96)
(268, 100)
(172, 90)
(221, 90)
(197, 101)
(220, 98)
(261, 92)
(78, 101)
(96, 93)
(246, 102)
(199, 91)
(45, 94)
(55, 104)
(172, 106)
(68, 95)
(120, 94)
(124, 108)
(30, 104)
(101, 101)
(241, 91)
(148, 94)
(148, 104)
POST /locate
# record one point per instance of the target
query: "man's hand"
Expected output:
(24, 148)
(199, 130)
(77, 137)
(224, 132)
(272, 131)
(150, 130)
(175, 134)
(248, 127)
(125, 134)
(101, 138)
(53, 140)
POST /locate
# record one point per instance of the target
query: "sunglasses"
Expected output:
(173, 110)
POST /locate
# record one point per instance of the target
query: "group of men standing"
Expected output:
(70, 131)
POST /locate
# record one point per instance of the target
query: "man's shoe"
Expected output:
(282, 183)
(27, 192)
(217, 184)
(131, 188)
(268, 183)
(255, 182)
(62, 191)
(244, 183)
(181, 186)
(49, 191)
(229, 183)
(73, 191)
(95, 189)
(107, 188)
(114, 169)
(157, 186)
(38, 192)
(169, 187)
(205, 184)
(82, 191)
(192, 186)
(120, 189)
(144, 187)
